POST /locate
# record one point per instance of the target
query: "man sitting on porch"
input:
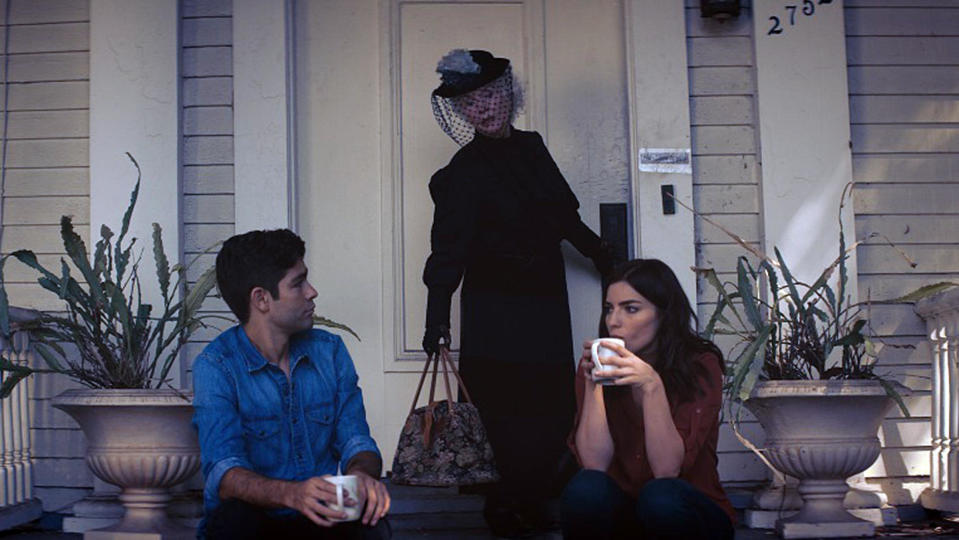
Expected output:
(278, 408)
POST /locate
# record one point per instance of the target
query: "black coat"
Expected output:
(502, 207)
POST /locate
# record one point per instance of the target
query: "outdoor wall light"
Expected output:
(720, 9)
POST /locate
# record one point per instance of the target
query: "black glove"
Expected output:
(432, 339)
(605, 259)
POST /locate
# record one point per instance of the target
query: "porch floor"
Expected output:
(442, 514)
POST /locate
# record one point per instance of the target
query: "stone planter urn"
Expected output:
(142, 441)
(822, 432)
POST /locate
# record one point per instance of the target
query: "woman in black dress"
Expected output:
(502, 207)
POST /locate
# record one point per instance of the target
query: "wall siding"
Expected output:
(726, 175)
(46, 176)
(207, 98)
(903, 60)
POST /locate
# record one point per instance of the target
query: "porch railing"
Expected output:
(941, 313)
(17, 504)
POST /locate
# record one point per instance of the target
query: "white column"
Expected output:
(17, 505)
(263, 126)
(135, 108)
(659, 103)
(941, 313)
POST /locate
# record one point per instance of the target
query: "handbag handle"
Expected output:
(442, 356)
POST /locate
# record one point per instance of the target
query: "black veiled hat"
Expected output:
(463, 71)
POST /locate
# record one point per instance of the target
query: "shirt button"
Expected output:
(299, 455)
(295, 420)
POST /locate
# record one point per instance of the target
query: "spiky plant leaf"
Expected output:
(125, 223)
(4, 304)
(323, 321)
(745, 289)
(925, 292)
(894, 394)
(77, 251)
(10, 380)
(163, 265)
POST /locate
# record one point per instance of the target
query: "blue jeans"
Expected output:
(593, 507)
(237, 520)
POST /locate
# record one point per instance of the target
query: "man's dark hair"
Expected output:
(255, 259)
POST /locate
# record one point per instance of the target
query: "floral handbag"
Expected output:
(444, 443)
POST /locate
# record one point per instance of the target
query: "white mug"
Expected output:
(601, 353)
(346, 486)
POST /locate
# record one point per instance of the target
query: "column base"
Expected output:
(766, 519)
(836, 529)
(94, 512)
(937, 499)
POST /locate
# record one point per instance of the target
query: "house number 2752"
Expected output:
(808, 9)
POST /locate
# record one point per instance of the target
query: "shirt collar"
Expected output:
(256, 361)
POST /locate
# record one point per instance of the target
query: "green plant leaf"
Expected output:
(745, 287)
(10, 380)
(125, 223)
(4, 303)
(715, 283)
(77, 252)
(854, 337)
(197, 294)
(925, 291)
(716, 317)
(748, 366)
(323, 321)
(894, 394)
(51, 359)
(794, 295)
(163, 265)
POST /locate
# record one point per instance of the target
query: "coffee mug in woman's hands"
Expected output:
(600, 353)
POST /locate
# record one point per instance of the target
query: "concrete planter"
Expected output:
(142, 441)
(821, 432)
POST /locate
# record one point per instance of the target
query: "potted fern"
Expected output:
(804, 365)
(136, 424)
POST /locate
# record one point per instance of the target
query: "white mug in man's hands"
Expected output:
(347, 487)
(601, 353)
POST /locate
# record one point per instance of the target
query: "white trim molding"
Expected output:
(803, 111)
(659, 119)
(263, 119)
(135, 108)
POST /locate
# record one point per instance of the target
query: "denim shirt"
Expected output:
(248, 414)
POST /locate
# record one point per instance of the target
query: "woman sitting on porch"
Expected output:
(646, 439)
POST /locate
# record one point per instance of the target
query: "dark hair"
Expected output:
(255, 259)
(676, 343)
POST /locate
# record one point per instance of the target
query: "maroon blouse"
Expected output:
(697, 422)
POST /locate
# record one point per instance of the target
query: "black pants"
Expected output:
(594, 507)
(238, 520)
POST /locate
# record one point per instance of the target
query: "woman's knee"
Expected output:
(589, 492)
(662, 499)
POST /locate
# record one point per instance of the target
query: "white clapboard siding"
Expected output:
(207, 100)
(903, 62)
(725, 178)
(46, 177)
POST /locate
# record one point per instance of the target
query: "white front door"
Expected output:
(367, 143)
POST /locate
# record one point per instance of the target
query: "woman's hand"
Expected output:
(629, 369)
(586, 365)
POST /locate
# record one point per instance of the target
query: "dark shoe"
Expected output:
(542, 516)
(506, 522)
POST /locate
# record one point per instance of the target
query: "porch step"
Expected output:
(411, 500)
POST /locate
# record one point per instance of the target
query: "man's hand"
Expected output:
(310, 498)
(377, 497)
